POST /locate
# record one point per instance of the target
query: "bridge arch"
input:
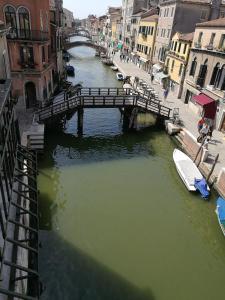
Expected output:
(70, 45)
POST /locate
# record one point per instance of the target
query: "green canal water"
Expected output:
(116, 221)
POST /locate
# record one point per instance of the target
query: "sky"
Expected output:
(83, 8)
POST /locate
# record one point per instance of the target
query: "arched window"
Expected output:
(10, 17)
(220, 82)
(215, 74)
(202, 74)
(24, 19)
(193, 67)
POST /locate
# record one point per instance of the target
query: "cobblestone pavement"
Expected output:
(189, 119)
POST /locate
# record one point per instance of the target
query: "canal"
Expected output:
(116, 221)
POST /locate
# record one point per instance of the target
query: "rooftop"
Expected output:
(186, 36)
(214, 23)
(150, 18)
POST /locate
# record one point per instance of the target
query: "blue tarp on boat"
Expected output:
(221, 208)
(201, 186)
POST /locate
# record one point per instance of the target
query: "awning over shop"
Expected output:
(208, 104)
(156, 68)
(160, 75)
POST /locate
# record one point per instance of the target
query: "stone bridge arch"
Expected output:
(70, 45)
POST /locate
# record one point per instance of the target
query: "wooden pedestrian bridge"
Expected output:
(125, 99)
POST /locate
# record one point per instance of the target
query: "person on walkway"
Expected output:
(206, 143)
(127, 59)
(165, 93)
(200, 124)
(203, 133)
(152, 78)
(210, 132)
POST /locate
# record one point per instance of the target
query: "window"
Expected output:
(172, 66)
(27, 56)
(200, 37)
(193, 67)
(171, 47)
(24, 19)
(168, 33)
(180, 70)
(220, 80)
(43, 53)
(203, 14)
(222, 41)
(152, 30)
(202, 74)
(175, 46)
(215, 74)
(179, 47)
(185, 49)
(172, 11)
(10, 17)
(167, 62)
(212, 38)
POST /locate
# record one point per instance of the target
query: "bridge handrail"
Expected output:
(93, 99)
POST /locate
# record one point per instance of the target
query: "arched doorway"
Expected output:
(30, 94)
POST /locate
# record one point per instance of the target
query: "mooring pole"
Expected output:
(213, 167)
(80, 120)
(200, 148)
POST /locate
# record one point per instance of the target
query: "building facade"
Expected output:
(56, 31)
(146, 40)
(129, 8)
(206, 69)
(68, 18)
(4, 57)
(29, 49)
(177, 59)
(181, 16)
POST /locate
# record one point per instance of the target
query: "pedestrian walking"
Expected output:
(127, 59)
(166, 92)
(200, 124)
(152, 78)
(203, 133)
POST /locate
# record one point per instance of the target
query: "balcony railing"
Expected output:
(28, 35)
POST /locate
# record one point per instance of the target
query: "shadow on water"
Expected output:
(79, 276)
(68, 149)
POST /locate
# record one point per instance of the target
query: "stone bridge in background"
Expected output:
(80, 31)
(69, 45)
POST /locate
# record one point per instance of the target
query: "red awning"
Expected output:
(209, 105)
(202, 99)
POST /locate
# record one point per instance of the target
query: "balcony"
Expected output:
(28, 35)
(209, 47)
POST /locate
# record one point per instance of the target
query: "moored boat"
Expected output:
(114, 68)
(70, 70)
(107, 61)
(220, 211)
(187, 170)
(119, 76)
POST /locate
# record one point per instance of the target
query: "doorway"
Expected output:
(187, 97)
(30, 94)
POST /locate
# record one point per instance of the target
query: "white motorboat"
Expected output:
(187, 169)
(119, 76)
(114, 68)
